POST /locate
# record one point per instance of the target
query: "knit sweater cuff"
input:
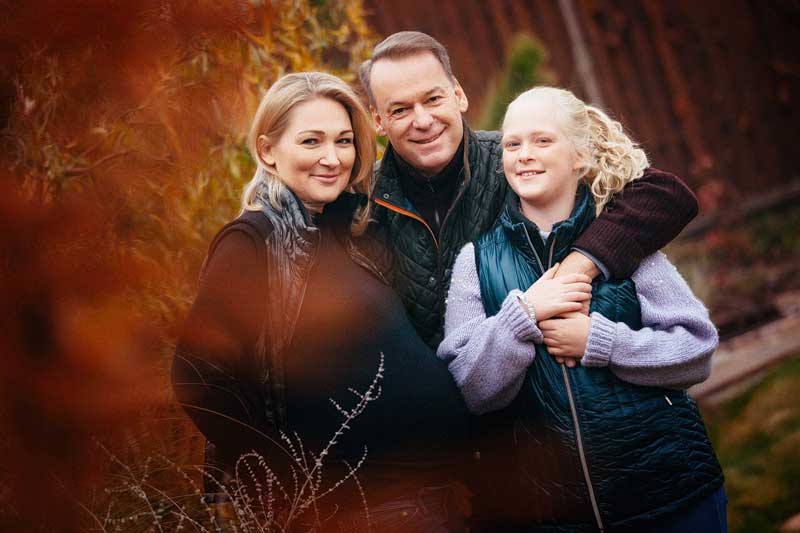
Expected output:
(600, 342)
(514, 317)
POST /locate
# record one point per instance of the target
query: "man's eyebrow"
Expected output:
(423, 96)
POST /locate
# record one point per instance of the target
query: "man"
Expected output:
(440, 184)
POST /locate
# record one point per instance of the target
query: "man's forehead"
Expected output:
(408, 77)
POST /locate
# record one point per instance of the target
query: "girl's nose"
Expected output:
(526, 154)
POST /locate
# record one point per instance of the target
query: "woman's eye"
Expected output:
(510, 145)
(345, 140)
(309, 142)
(543, 140)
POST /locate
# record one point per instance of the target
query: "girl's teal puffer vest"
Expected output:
(590, 449)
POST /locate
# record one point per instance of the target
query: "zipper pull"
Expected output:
(668, 400)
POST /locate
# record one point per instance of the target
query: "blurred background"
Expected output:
(123, 153)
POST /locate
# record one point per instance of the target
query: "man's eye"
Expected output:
(434, 99)
(397, 111)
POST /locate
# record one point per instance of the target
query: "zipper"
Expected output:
(536, 255)
(402, 211)
(572, 408)
(581, 452)
(459, 193)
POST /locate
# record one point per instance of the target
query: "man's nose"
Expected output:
(422, 118)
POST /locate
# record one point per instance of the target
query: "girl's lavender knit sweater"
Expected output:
(488, 357)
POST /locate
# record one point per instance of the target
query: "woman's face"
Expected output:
(540, 162)
(315, 154)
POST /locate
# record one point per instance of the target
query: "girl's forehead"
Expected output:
(531, 113)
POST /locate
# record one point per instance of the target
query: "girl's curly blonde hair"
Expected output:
(612, 158)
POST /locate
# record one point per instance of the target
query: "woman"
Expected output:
(297, 350)
(615, 443)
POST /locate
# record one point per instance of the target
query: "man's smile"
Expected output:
(427, 140)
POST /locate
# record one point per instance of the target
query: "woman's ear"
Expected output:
(264, 149)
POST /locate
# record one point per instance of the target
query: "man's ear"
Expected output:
(461, 98)
(264, 149)
(378, 119)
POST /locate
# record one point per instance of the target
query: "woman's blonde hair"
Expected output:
(272, 118)
(612, 158)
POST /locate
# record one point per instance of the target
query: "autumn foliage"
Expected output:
(123, 152)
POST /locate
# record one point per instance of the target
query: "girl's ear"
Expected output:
(581, 161)
(264, 149)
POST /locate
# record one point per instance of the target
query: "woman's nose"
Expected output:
(329, 158)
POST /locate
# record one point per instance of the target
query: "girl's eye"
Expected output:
(345, 140)
(543, 140)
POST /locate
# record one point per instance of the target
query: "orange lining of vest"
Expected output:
(402, 211)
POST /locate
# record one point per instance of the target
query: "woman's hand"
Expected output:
(551, 296)
(566, 336)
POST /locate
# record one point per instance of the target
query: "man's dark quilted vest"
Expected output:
(646, 449)
(422, 264)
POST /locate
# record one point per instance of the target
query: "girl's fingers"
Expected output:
(570, 306)
(575, 278)
(572, 279)
(578, 296)
(551, 273)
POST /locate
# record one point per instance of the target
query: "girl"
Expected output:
(614, 443)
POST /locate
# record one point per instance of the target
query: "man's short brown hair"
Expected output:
(399, 45)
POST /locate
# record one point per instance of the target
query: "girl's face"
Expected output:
(315, 154)
(540, 162)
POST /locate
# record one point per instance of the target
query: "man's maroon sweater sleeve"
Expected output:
(645, 216)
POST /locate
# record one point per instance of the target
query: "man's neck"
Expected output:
(432, 196)
(451, 170)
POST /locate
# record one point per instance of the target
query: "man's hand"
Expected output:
(577, 263)
(565, 337)
(551, 297)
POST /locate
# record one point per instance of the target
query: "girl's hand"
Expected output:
(551, 296)
(566, 336)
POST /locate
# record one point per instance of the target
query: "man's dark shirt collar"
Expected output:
(432, 196)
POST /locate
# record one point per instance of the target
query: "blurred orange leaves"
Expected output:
(122, 153)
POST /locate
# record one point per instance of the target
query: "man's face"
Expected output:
(419, 109)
